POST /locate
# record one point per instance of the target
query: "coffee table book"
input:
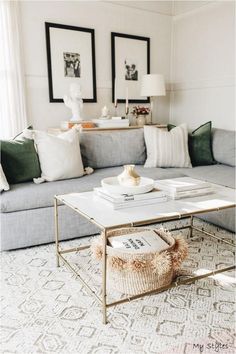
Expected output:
(117, 201)
(184, 187)
(155, 193)
(139, 242)
(111, 123)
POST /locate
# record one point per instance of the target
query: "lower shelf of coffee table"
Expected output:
(206, 252)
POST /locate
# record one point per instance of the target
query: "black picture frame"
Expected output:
(146, 40)
(50, 25)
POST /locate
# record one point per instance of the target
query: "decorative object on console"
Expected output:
(65, 125)
(165, 149)
(73, 65)
(74, 102)
(87, 125)
(4, 186)
(127, 102)
(134, 273)
(129, 176)
(59, 156)
(114, 122)
(105, 113)
(153, 85)
(140, 113)
(141, 120)
(130, 61)
(112, 185)
(200, 145)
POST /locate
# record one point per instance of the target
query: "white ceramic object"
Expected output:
(111, 185)
(75, 102)
(129, 176)
(105, 112)
(141, 120)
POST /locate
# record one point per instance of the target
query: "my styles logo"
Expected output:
(216, 346)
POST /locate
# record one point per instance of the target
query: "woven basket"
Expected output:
(133, 274)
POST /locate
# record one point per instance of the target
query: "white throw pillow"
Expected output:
(59, 156)
(4, 186)
(167, 149)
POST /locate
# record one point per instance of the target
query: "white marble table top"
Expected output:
(93, 207)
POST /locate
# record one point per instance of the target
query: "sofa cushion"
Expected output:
(19, 160)
(114, 148)
(59, 156)
(223, 146)
(26, 196)
(219, 174)
(200, 145)
(167, 148)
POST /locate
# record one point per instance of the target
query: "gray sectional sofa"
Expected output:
(27, 209)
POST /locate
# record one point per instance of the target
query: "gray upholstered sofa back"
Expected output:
(117, 148)
(223, 146)
(113, 148)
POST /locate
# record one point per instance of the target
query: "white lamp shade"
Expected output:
(153, 85)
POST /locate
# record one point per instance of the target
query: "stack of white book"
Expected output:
(184, 187)
(117, 201)
(114, 122)
(139, 242)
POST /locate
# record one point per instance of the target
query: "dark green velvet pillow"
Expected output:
(19, 160)
(199, 144)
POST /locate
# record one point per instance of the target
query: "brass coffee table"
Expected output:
(106, 219)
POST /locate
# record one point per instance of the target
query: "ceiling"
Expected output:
(170, 8)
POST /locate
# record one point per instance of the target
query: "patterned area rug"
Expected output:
(44, 309)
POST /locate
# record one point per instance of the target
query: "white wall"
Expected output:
(104, 18)
(203, 65)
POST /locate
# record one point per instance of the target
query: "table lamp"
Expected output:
(153, 85)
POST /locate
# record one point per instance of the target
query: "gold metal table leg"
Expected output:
(103, 299)
(56, 231)
(104, 277)
(191, 227)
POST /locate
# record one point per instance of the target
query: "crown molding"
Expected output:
(198, 9)
(225, 81)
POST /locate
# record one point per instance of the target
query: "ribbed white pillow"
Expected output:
(59, 156)
(4, 186)
(167, 149)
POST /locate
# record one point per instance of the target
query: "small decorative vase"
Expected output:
(141, 119)
(129, 176)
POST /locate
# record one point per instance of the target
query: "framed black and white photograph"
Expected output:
(130, 61)
(71, 59)
(72, 64)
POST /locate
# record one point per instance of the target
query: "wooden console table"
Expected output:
(58, 130)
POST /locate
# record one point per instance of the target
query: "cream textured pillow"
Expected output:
(167, 149)
(59, 156)
(4, 186)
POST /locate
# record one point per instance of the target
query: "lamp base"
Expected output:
(151, 110)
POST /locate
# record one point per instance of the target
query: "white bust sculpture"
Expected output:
(75, 102)
(105, 112)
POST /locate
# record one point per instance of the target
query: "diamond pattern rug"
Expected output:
(44, 309)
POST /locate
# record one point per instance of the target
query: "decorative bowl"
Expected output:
(111, 185)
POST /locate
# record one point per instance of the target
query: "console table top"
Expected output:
(58, 130)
